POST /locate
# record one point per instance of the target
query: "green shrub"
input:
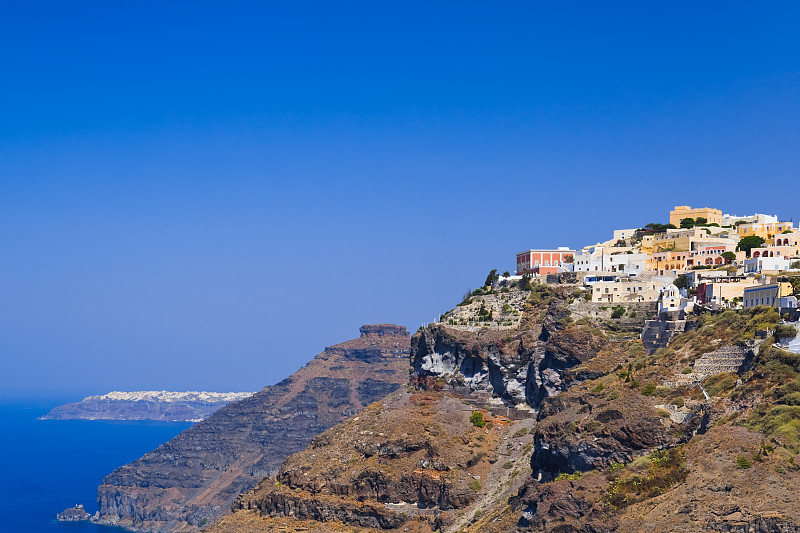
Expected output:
(665, 468)
(598, 388)
(618, 312)
(477, 419)
(716, 385)
(743, 462)
(508, 465)
(649, 389)
(785, 331)
(521, 432)
(475, 485)
(564, 476)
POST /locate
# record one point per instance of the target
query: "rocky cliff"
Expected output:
(165, 406)
(562, 422)
(195, 477)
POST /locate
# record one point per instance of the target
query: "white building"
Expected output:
(671, 300)
(631, 264)
(761, 264)
(730, 220)
(620, 234)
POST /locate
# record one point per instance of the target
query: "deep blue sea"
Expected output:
(48, 465)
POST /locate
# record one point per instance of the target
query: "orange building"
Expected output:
(544, 261)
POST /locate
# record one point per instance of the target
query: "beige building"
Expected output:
(625, 291)
(716, 294)
(712, 216)
(680, 240)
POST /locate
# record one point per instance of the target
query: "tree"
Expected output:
(491, 278)
(728, 257)
(795, 285)
(525, 282)
(701, 221)
(681, 281)
(687, 223)
(654, 227)
(506, 274)
(748, 243)
(477, 419)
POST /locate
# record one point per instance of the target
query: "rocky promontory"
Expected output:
(73, 514)
(192, 479)
(165, 406)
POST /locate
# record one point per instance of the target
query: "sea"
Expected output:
(49, 465)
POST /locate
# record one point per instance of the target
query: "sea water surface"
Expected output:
(49, 465)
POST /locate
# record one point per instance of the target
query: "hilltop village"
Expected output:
(700, 257)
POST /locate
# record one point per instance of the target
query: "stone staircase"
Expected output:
(657, 333)
(729, 359)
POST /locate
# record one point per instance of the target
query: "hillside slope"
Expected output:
(586, 431)
(196, 476)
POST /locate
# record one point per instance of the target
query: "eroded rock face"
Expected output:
(521, 367)
(195, 477)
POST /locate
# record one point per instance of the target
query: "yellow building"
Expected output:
(712, 216)
(768, 231)
(766, 294)
(663, 262)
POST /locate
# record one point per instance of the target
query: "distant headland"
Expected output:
(165, 406)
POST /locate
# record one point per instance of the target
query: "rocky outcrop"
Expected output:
(193, 478)
(165, 406)
(518, 367)
(73, 514)
(393, 463)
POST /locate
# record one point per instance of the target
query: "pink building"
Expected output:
(544, 261)
(709, 255)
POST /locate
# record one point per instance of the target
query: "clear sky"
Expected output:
(202, 195)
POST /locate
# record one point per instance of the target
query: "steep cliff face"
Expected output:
(518, 367)
(422, 459)
(194, 477)
(587, 431)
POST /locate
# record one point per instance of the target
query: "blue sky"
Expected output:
(199, 195)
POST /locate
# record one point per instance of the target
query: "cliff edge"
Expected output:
(192, 479)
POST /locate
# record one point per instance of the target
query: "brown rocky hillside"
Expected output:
(587, 430)
(192, 479)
